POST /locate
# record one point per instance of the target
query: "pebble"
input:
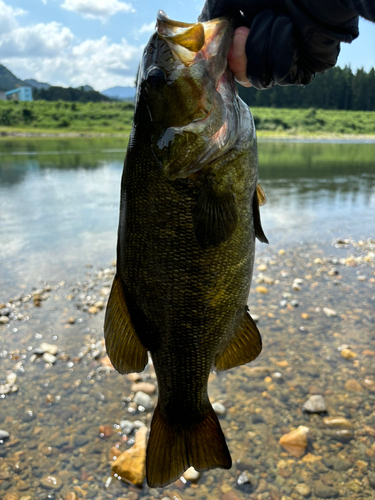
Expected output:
(4, 435)
(337, 422)
(51, 349)
(338, 464)
(53, 482)
(143, 399)
(143, 387)
(342, 435)
(49, 358)
(11, 378)
(353, 386)
(329, 312)
(303, 489)
(322, 490)
(127, 427)
(5, 389)
(295, 441)
(315, 404)
(294, 303)
(261, 289)
(348, 354)
(4, 320)
(219, 409)
(192, 475)
(369, 384)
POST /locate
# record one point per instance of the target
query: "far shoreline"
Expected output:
(262, 136)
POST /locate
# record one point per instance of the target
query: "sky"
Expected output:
(100, 42)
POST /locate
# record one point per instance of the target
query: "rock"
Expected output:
(130, 465)
(127, 427)
(295, 441)
(5, 311)
(348, 354)
(322, 490)
(11, 378)
(261, 289)
(352, 385)
(337, 422)
(294, 303)
(72, 495)
(4, 320)
(49, 358)
(192, 475)
(329, 312)
(138, 424)
(5, 389)
(315, 404)
(143, 399)
(303, 489)
(219, 409)
(105, 431)
(4, 435)
(230, 495)
(71, 321)
(262, 267)
(93, 310)
(371, 479)
(81, 440)
(338, 464)
(369, 384)
(52, 482)
(50, 348)
(257, 371)
(342, 435)
(143, 387)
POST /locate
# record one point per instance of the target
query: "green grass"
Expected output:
(41, 117)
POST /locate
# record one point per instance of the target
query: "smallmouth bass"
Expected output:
(189, 215)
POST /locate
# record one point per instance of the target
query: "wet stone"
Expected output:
(322, 490)
(127, 427)
(338, 464)
(144, 400)
(341, 435)
(80, 440)
(303, 489)
(49, 358)
(219, 409)
(4, 435)
(52, 482)
(315, 404)
(353, 386)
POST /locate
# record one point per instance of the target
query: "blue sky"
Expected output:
(100, 42)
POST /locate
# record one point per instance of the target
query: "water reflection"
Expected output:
(59, 200)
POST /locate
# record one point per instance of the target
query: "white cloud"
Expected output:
(8, 17)
(148, 28)
(97, 9)
(50, 52)
(39, 40)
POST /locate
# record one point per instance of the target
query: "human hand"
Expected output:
(237, 59)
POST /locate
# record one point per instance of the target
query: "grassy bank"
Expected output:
(41, 117)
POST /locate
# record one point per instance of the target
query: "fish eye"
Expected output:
(156, 78)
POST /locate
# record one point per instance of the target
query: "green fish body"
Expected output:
(189, 215)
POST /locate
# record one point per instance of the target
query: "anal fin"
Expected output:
(244, 347)
(124, 348)
(174, 448)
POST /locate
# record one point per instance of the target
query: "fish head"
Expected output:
(186, 93)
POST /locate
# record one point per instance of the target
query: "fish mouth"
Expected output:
(191, 42)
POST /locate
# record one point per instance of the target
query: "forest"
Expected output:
(336, 89)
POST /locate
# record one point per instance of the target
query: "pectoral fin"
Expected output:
(124, 348)
(245, 346)
(215, 216)
(258, 195)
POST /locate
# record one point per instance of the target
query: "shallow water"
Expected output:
(58, 213)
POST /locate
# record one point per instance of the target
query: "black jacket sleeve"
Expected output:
(292, 40)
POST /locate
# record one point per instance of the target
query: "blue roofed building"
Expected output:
(20, 94)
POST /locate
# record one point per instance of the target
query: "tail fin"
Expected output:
(174, 448)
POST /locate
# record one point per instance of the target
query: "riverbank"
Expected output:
(59, 119)
(66, 414)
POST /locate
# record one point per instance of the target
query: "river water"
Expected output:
(58, 222)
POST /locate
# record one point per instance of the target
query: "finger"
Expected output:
(237, 59)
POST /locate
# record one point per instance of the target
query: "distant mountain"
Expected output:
(122, 93)
(36, 85)
(7, 80)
